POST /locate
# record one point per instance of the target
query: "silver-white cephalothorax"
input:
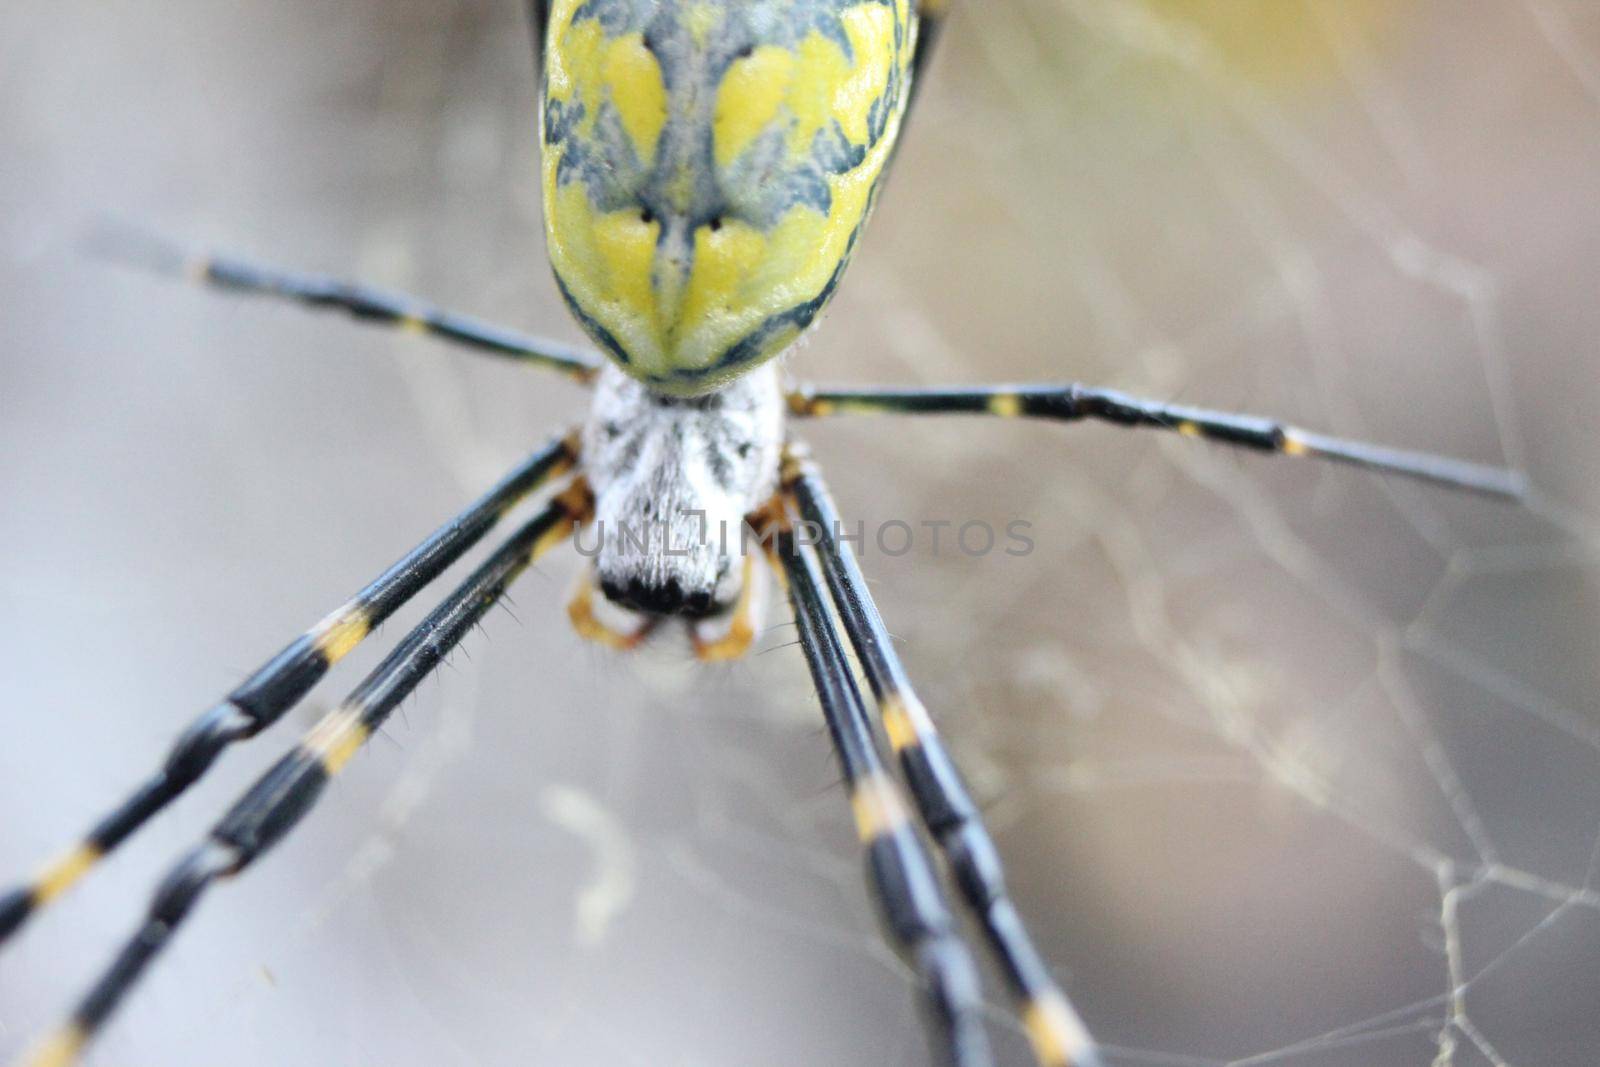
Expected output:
(674, 479)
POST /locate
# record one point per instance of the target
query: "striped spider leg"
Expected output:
(1073, 401)
(700, 212)
(266, 812)
(900, 873)
(130, 246)
(1051, 401)
(943, 804)
(947, 810)
(280, 683)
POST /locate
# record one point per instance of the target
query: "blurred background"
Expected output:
(1291, 765)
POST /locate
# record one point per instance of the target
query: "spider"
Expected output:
(708, 168)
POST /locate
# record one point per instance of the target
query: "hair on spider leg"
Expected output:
(509, 608)
(793, 622)
(386, 732)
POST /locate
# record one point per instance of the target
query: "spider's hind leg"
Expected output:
(946, 809)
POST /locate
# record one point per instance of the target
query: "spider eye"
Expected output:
(744, 449)
(613, 430)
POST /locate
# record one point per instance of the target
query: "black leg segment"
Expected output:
(1058, 1036)
(1072, 402)
(900, 872)
(270, 809)
(365, 302)
(282, 681)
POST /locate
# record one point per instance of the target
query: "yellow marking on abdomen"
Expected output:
(877, 807)
(748, 100)
(638, 92)
(1058, 1038)
(60, 875)
(335, 739)
(1190, 429)
(1293, 446)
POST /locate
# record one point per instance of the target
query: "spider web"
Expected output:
(1290, 765)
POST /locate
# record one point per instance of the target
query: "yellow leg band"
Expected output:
(56, 1050)
(1005, 405)
(60, 875)
(341, 632)
(1055, 1032)
(905, 720)
(877, 807)
(336, 738)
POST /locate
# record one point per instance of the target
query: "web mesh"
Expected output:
(1290, 765)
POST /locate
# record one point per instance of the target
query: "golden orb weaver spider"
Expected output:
(904, 874)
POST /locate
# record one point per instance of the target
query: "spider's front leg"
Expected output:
(133, 247)
(1074, 402)
(270, 810)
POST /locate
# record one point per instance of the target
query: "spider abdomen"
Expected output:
(708, 166)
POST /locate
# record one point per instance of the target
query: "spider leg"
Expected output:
(266, 813)
(1071, 402)
(1058, 1036)
(899, 870)
(282, 681)
(359, 300)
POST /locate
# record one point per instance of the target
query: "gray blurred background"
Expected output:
(1281, 756)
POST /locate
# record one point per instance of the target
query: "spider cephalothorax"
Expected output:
(674, 479)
